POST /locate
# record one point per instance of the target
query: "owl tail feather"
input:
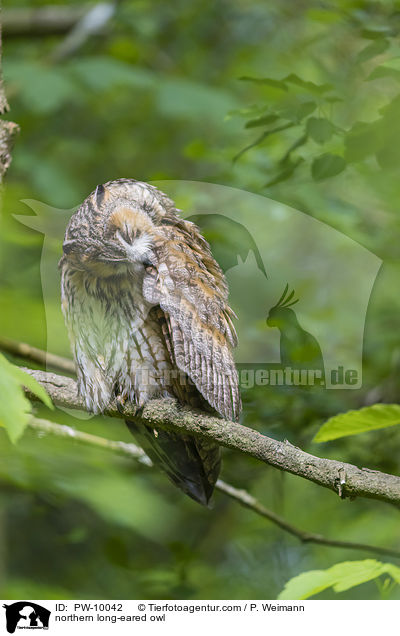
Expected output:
(191, 464)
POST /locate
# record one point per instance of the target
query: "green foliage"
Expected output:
(378, 46)
(327, 165)
(347, 139)
(262, 121)
(341, 577)
(320, 129)
(15, 408)
(369, 418)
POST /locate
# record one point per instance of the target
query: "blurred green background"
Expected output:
(156, 94)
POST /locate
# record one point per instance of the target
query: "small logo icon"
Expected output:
(299, 349)
(26, 615)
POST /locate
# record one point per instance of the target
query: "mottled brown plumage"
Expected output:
(146, 308)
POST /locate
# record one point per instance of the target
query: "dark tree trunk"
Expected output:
(8, 129)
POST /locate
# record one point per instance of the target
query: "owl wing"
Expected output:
(189, 286)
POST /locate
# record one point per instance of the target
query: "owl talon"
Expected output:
(121, 402)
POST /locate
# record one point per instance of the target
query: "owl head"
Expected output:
(116, 227)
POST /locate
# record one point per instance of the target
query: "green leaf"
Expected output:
(390, 68)
(384, 71)
(318, 89)
(369, 418)
(305, 585)
(375, 48)
(268, 81)
(327, 165)
(305, 109)
(320, 129)
(15, 408)
(262, 121)
(292, 78)
(377, 32)
(298, 112)
(342, 576)
(393, 571)
(32, 385)
(351, 573)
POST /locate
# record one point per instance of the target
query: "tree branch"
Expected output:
(241, 496)
(63, 393)
(345, 479)
(38, 21)
(38, 356)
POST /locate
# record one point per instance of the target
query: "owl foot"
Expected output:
(122, 403)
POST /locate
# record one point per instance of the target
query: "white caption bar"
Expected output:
(193, 617)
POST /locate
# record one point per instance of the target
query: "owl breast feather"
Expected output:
(118, 345)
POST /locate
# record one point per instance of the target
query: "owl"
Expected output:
(146, 308)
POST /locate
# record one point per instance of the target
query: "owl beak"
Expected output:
(138, 248)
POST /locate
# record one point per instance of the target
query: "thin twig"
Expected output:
(61, 430)
(248, 501)
(340, 477)
(38, 356)
(241, 496)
